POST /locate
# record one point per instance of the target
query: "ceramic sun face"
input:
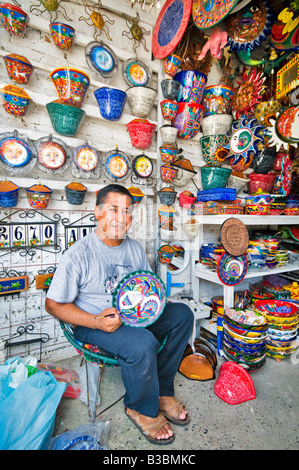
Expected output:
(248, 92)
(244, 142)
(285, 129)
(248, 27)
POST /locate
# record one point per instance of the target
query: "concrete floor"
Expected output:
(268, 422)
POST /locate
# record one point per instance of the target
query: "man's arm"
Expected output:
(70, 313)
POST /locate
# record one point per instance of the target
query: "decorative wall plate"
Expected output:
(17, 153)
(208, 14)
(142, 166)
(140, 298)
(117, 165)
(249, 27)
(101, 59)
(170, 26)
(231, 270)
(86, 157)
(136, 73)
(52, 155)
(234, 236)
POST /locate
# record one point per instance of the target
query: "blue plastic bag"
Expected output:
(27, 413)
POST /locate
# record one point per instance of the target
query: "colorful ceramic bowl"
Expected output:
(168, 109)
(217, 99)
(170, 88)
(168, 134)
(168, 153)
(71, 85)
(141, 100)
(38, 196)
(187, 119)
(141, 133)
(65, 119)
(62, 34)
(18, 68)
(13, 18)
(171, 64)
(111, 102)
(9, 194)
(75, 193)
(261, 183)
(213, 151)
(216, 124)
(15, 100)
(214, 177)
(166, 253)
(168, 173)
(192, 86)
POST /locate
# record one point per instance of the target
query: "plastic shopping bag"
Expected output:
(27, 413)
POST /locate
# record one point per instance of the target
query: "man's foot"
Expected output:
(174, 410)
(155, 430)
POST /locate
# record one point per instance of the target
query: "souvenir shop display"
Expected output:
(231, 270)
(19, 68)
(140, 297)
(284, 30)
(53, 7)
(101, 59)
(62, 34)
(212, 148)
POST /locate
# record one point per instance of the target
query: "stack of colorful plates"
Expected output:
(283, 318)
(210, 253)
(244, 338)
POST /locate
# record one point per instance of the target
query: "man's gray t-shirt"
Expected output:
(90, 270)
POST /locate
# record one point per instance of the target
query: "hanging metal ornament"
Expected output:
(97, 20)
(136, 32)
(53, 7)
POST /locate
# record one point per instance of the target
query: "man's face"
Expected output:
(114, 216)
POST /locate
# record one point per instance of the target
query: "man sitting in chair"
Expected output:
(81, 294)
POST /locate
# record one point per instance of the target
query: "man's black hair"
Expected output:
(111, 188)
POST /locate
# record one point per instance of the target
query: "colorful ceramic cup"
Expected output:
(141, 100)
(192, 86)
(217, 99)
(187, 119)
(171, 64)
(213, 151)
(62, 34)
(13, 18)
(18, 68)
(71, 85)
(141, 133)
(168, 109)
(111, 102)
(15, 100)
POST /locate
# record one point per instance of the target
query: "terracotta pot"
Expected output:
(141, 133)
(75, 193)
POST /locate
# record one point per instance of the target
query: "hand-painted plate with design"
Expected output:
(231, 270)
(209, 13)
(142, 166)
(117, 165)
(52, 154)
(170, 26)
(136, 73)
(14, 152)
(140, 297)
(101, 59)
(86, 157)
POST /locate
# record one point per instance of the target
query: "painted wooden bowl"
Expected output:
(111, 102)
(141, 133)
(62, 34)
(71, 85)
(15, 100)
(13, 18)
(141, 100)
(18, 68)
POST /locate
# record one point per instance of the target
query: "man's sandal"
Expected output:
(149, 429)
(172, 409)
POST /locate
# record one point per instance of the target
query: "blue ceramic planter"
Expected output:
(192, 86)
(111, 102)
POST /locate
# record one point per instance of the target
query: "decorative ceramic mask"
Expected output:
(284, 31)
(248, 92)
(249, 27)
(243, 145)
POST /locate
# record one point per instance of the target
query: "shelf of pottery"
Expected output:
(62, 88)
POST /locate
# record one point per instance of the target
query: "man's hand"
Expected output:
(108, 320)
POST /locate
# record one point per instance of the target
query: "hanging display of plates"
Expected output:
(142, 166)
(117, 165)
(140, 297)
(249, 27)
(208, 14)
(231, 270)
(170, 26)
(86, 157)
(101, 59)
(17, 153)
(53, 155)
(136, 73)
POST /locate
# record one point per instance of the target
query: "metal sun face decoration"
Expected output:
(136, 32)
(248, 92)
(249, 27)
(97, 20)
(244, 142)
(53, 7)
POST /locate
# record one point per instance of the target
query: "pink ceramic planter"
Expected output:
(141, 133)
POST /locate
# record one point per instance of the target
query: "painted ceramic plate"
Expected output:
(170, 27)
(117, 165)
(51, 155)
(209, 13)
(101, 59)
(136, 73)
(234, 236)
(142, 166)
(140, 297)
(231, 270)
(14, 152)
(287, 124)
(86, 157)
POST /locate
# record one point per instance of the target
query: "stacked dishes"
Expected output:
(209, 254)
(244, 337)
(283, 318)
(258, 254)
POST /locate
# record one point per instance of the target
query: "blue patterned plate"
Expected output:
(14, 152)
(117, 165)
(140, 297)
(231, 270)
(101, 59)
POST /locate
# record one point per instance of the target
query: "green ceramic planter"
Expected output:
(214, 177)
(65, 119)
